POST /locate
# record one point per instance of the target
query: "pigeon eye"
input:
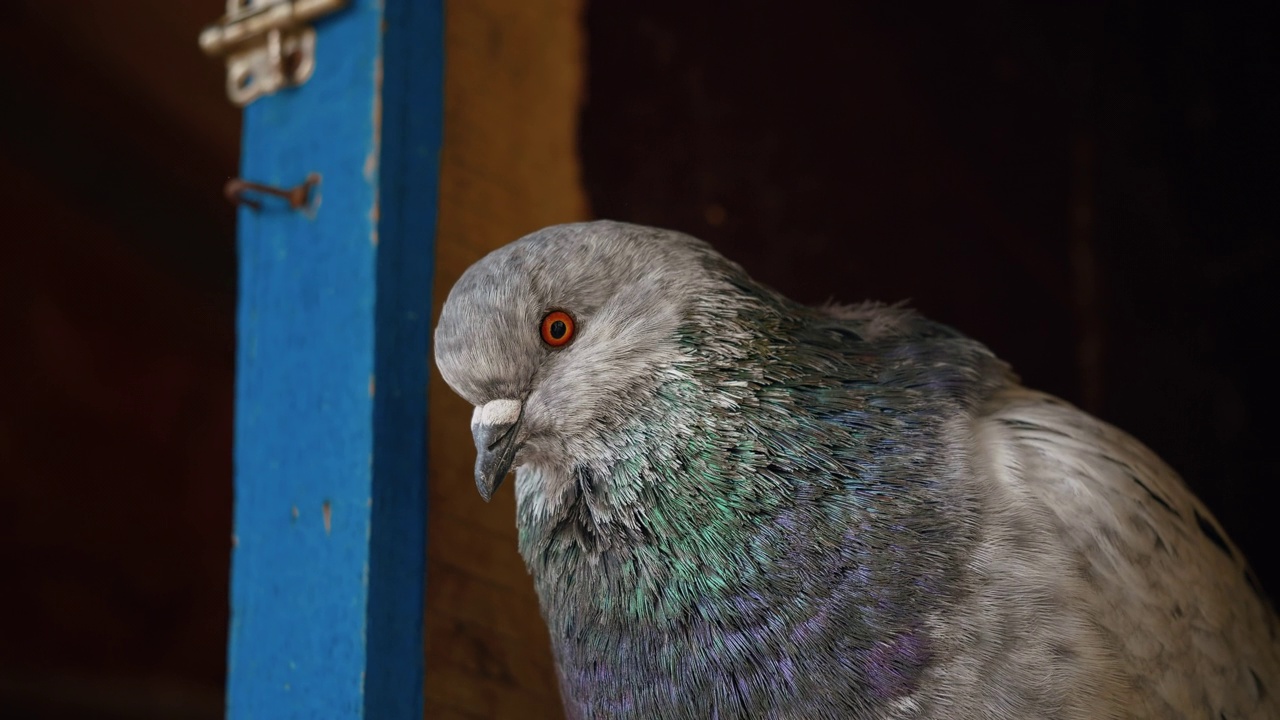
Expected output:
(557, 328)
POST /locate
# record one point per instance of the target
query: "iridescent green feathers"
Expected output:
(734, 506)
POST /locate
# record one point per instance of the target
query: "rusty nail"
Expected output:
(297, 196)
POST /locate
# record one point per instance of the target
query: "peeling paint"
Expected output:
(375, 145)
(375, 150)
(287, 455)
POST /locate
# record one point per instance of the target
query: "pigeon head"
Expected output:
(556, 337)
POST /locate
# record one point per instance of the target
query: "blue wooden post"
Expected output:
(334, 313)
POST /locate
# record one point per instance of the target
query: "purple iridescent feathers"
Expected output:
(733, 505)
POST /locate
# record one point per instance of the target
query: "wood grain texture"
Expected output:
(513, 88)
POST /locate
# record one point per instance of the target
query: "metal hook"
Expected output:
(297, 196)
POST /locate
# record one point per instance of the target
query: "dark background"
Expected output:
(1089, 188)
(117, 294)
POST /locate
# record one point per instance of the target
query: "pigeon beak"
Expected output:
(495, 426)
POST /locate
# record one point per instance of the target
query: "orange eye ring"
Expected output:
(557, 328)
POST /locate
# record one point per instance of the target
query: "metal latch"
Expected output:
(269, 44)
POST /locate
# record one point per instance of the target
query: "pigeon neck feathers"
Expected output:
(780, 424)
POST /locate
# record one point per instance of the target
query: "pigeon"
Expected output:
(733, 505)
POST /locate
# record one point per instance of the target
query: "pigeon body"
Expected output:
(736, 506)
